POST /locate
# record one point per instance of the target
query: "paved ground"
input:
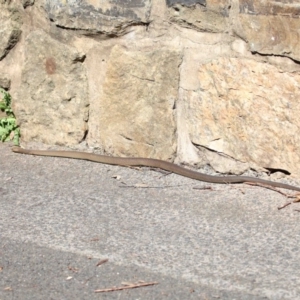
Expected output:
(60, 217)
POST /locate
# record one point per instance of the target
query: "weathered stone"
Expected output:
(131, 78)
(252, 117)
(5, 83)
(137, 107)
(2, 113)
(107, 17)
(271, 27)
(53, 101)
(213, 17)
(279, 7)
(27, 3)
(10, 27)
(186, 2)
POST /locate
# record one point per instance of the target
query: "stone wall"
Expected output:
(202, 82)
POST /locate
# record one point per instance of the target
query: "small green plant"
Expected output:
(9, 130)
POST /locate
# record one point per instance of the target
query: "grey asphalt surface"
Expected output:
(60, 217)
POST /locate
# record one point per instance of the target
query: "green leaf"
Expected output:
(17, 137)
(8, 124)
(2, 106)
(3, 131)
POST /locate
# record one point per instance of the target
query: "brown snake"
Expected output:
(155, 163)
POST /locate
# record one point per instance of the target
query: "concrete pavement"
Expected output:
(59, 217)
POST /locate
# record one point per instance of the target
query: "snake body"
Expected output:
(155, 163)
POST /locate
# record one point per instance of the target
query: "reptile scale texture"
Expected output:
(154, 163)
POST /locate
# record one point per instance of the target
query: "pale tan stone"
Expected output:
(248, 111)
(10, 29)
(272, 34)
(211, 18)
(170, 81)
(137, 107)
(52, 102)
(270, 27)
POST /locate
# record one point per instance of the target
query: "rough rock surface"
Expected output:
(242, 116)
(5, 83)
(107, 17)
(54, 108)
(211, 17)
(10, 30)
(203, 82)
(271, 27)
(27, 3)
(140, 105)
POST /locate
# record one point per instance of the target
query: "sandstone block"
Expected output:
(107, 17)
(53, 100)
(252, 117)
(137, 108)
